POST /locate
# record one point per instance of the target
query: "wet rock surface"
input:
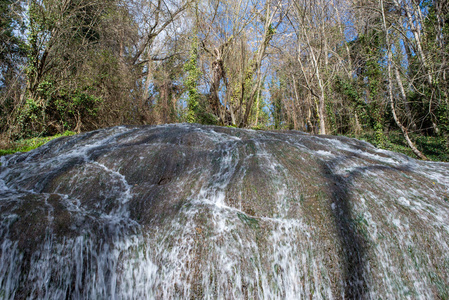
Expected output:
(190, 211)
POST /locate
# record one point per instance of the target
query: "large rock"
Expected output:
(189, 211)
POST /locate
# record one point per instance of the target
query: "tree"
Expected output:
(60, 35)
(319, 31)
(390, 83)
(235, 38)
(155, 17)
(195, 112)
(12, 58)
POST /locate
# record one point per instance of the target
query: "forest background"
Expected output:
(377, 70)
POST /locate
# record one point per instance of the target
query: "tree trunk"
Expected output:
(217, 75)
(408, 113)
(390, 88)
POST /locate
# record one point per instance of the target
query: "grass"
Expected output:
(436, 148)
(26, 145)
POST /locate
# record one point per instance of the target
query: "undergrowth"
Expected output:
(436, 148)
(26, 145)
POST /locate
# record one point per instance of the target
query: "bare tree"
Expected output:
(404, 130)
(235, 39)
(157, 20)
(317, 25)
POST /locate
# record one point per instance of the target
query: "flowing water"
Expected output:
(201, 212)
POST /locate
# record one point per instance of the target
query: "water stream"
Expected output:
(201, 212)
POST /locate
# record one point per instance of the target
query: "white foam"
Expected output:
(325, 153)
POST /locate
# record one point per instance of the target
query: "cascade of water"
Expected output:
(189, 211)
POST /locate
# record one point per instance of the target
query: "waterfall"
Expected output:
(188, 211)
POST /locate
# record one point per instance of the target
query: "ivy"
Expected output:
(191, 83)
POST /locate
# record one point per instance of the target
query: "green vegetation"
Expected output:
(26, 145)
(252, 222)
(87, 65)
(435, 148)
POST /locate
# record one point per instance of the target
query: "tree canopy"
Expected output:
(319, 66)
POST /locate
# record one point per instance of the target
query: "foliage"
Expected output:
(81, 65)
(435, 148)
(11, 43)
(56, 111)
(277, 105)
(26, 145)
(12, 57)
(191, 83)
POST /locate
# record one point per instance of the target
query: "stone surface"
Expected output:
(190, 211)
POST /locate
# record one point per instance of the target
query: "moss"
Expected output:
(440, 284)
(361, 225)
(251, 222)
(31, 144)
